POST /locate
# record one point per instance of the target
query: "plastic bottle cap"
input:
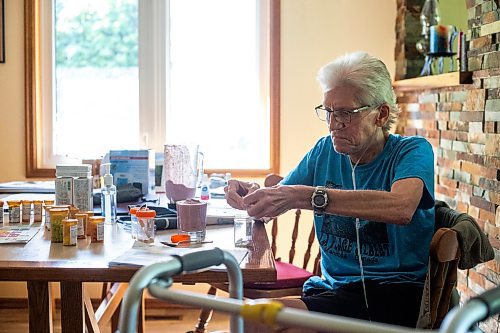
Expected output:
(133, 210)
(108, 177)
(145, 213)
(179, 238)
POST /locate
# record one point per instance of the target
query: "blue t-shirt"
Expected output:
(390, 253)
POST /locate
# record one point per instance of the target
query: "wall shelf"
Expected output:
(433, 81)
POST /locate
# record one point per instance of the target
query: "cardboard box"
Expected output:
(134, 166)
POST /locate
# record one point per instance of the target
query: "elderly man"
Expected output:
(372, 194)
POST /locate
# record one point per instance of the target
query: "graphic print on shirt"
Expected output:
(338, 237)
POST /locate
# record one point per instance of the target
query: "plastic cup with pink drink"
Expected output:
(191, 218)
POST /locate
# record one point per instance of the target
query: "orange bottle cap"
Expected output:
(145, 213)
(134, 210)
(179, 238)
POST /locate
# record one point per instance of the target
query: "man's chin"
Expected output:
(340, 149)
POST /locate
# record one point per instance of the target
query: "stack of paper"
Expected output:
(143, 254)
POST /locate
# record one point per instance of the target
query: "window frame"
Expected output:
(33, 92)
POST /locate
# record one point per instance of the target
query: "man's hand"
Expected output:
(269, 201)
(236, 190)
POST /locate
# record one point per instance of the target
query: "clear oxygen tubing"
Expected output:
(358, 243)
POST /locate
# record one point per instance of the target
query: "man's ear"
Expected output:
(383, 115)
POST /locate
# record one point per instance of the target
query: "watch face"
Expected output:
(319, 200)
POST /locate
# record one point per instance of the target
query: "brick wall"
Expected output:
(463, 125)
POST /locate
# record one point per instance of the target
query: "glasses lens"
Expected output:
(342, 116)
(321, 113)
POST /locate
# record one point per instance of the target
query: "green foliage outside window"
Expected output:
(107, 37)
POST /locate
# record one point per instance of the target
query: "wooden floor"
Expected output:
(167, 320)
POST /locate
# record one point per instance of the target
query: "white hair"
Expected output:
(367, 75)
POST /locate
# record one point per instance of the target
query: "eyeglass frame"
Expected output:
(350, 112)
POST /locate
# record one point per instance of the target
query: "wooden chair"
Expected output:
(290, 277)
(441, 278)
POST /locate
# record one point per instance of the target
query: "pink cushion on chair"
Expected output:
(288, 276)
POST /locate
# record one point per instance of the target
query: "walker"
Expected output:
(158, 278)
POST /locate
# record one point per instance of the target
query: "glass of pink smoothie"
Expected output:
(191, 218)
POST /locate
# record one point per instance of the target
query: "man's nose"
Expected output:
(334, 124)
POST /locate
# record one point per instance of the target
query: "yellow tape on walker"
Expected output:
(262, 311)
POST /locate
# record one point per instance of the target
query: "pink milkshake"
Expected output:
(191, 218)
(176, 192)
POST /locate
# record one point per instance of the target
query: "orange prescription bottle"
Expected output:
(69, 231)
(37, 210)
(87, 229)
(1, 212)
(14, 211)
(57, 215)
(96, 226)
(81, 225)
(26, 210)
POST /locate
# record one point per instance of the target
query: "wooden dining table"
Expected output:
(39, 262)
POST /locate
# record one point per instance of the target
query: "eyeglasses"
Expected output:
(342, 115)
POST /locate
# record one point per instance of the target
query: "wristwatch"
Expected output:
(319, 200)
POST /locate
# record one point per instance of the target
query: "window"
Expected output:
(128, 74)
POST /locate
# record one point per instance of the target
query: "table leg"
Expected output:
(141, 322)
(72, 315)
(40, 312)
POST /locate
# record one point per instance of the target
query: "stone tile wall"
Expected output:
(463, 125)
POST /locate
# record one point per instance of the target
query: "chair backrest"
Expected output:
(441, 278)
(274, 179)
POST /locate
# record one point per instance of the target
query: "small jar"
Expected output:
(243, 225)
(1, 212)
(81, 232)
(87, 228)
(96, 226)
(26, 210)
(37, 210)
(47, 206)
(14, 211)
(133, 221)
(69, 231)
(146, 225)
(57, 215)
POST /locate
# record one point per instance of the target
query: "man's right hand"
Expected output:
(236, 190)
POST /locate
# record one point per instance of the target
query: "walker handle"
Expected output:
(201, 260)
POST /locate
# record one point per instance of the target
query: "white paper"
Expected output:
(17, 234)
(144, 254)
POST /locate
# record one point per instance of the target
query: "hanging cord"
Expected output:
(358, 243)
(359, 247)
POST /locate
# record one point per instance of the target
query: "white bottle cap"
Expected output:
(108, 177)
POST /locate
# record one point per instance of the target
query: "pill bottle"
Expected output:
(26, 210)
(87, 228)
(14, 211)
(1, 212)
(96, 226)
(57, 215)
(69, 231)
(47, 205)
(37, 210)
(133, 221)
(146, 225)
(81, 232)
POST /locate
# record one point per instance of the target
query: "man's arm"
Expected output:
(396, 206)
